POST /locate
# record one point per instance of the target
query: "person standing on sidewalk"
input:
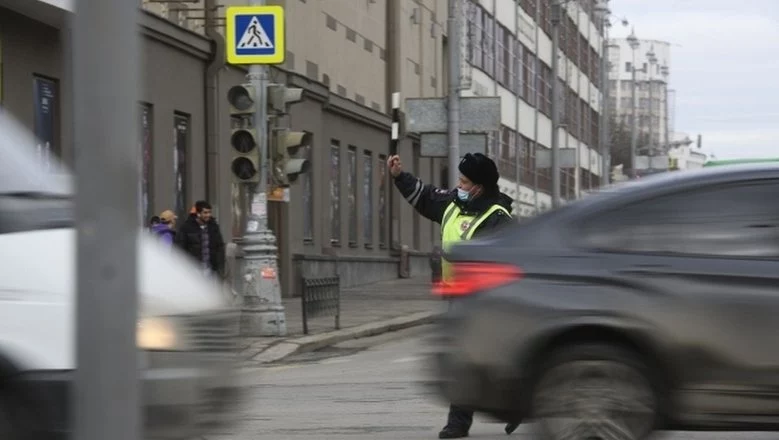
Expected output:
(475, 207)
(166, 228)
(199, 236)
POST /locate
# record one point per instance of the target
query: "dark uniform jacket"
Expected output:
(431, 202)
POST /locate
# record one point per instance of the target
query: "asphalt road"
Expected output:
(368, 390)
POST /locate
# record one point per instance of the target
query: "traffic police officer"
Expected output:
(476, 206)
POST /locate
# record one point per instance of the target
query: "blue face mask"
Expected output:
(463, 194)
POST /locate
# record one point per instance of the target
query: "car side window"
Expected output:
(737, 220)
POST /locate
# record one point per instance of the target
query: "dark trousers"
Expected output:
(459, 417)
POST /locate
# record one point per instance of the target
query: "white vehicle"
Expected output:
(186, 325)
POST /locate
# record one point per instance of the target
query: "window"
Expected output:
(308, 200)
(529, 6)
(488, 45)
(503, 73)
(545, 89)
(180, 150)
(335, 193)
(146, 140)
(527, 157)
(47, 119)
(351, 187)
(628, 67)
(529, 73)
(475, 33)
(367, 198)
(507, 165)
(383, 230)
(694, 223)
(517, 68)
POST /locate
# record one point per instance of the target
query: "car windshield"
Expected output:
(36, 191)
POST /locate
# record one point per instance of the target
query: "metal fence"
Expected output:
(321, 297)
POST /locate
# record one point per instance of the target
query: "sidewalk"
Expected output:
(366, 310)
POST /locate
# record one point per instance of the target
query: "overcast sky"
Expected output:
(724, 67)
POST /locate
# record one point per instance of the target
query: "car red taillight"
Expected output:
(472, 277)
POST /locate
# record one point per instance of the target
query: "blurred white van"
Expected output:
(186, 330)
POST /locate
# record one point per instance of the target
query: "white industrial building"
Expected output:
(510, 41)
(651, 60)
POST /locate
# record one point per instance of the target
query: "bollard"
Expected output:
(403, 264)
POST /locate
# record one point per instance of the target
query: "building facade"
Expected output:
(509, 53)
(344, 217)
(654, 106)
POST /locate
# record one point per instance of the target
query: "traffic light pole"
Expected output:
(262, 312)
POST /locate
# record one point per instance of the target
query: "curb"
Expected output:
(278, 352)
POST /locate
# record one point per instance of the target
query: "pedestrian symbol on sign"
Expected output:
(255, 37)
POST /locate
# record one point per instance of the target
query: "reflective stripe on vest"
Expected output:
(456, 227)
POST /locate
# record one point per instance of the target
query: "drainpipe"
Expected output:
(539, 30)
(517, 143)
(215, 64)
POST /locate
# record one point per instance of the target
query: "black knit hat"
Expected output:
(480, 169)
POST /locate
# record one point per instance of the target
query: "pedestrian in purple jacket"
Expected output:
(166, 229)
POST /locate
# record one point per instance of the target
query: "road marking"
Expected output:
(408, 359)
(282, 367)
(334, 361)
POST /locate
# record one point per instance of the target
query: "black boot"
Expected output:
(511, 427)
(453, 432)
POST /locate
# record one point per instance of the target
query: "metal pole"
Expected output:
(604, 114)
(262, 313)
(453, 123)
(666, 137)
(633, 125)
(555, 159)
(107, 392)
(651, 124)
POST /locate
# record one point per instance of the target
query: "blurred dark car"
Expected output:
(650, 305)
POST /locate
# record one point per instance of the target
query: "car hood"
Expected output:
(42, 264)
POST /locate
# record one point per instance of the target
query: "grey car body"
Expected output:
(678, 274)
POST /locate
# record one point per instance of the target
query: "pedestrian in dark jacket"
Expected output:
(475, 207)
(199, 236)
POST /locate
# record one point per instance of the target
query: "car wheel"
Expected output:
(594, 392)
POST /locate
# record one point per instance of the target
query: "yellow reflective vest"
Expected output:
(457, 226)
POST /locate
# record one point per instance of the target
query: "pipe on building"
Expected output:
(216, 63)
(517, 143)
(536, 18)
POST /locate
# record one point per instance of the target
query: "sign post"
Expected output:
(430, 118)
(255, 36)
(106, 396)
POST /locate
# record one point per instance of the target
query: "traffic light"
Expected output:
(280, 97)
(242, 99)
(245, 165)
(287, 144)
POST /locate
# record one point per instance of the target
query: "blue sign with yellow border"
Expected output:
(255, 34)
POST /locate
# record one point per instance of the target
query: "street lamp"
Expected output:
(602, 12)
(665, 71)
(556, 17)
(634, 44)
(652, 58)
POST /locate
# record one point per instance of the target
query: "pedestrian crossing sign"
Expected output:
(255, 34)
